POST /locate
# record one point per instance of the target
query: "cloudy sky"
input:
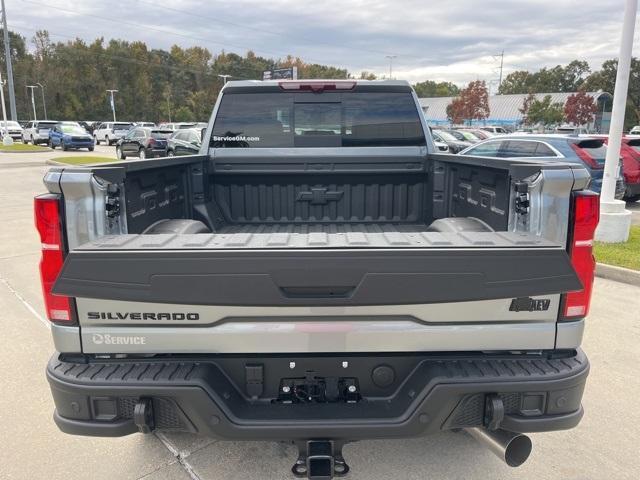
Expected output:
(453, 40)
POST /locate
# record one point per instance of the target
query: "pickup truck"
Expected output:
(319, 274)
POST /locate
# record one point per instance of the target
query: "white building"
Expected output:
(505, 109)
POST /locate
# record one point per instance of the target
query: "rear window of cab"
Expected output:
(281, 120)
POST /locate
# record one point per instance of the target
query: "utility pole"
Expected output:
(224, 77)
(113, 103)
(391, 57)
(501, 55)
(615, 220)
(33, 101)
(7, 59)
(44, 102)
(6, 139)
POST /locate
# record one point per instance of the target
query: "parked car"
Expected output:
(453, 143)
(635, 130)
(184, 142)
(497, 130)
(177, 125)
(68, 135)
(111, 132)
(11, 128)
(480, 134)
(630, 153)
(38, 131)
(590, 152)
(143, 142)
(464, 135)
(352, 297)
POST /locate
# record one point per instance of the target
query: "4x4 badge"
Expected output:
(527, 304)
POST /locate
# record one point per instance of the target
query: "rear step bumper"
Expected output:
(430, 393)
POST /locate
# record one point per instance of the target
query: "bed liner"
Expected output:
(305, 236)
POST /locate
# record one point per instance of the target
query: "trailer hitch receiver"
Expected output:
(320, 460)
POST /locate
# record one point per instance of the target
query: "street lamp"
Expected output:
(224, 77)
(6, 138)
(391, 57)
(44, 103)
(113, 104)
(33, 100)
(615, 220)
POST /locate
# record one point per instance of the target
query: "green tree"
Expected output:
(429, 88)
(560, 78)
(545, 111)
(605, 80)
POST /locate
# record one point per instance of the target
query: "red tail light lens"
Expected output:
(49, 225)
(317, 86)
(586, 210)
(585, 157)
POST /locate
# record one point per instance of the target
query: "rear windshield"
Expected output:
(161, 133)
(122, 126)
(47, 125)
(596, 148)
(354, 119)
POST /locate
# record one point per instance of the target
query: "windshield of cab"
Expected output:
(73, 130)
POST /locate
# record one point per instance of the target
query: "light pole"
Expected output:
(33, 101)
(113, 103)
(6, 139)
(44, 103)
(224, 77)
(7, 58)
(391, 57)
(615, 220)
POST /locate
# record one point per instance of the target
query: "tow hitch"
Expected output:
(320, 460)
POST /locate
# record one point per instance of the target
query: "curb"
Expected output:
(21, 152)
(618, 274)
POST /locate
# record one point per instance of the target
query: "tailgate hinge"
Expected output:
(112, 201)
(522, 198)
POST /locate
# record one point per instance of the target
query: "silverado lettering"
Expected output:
(141, 316)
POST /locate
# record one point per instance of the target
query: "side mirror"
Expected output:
(202, 132)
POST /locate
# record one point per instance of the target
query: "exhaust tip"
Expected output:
(518, 450)
(512, 448)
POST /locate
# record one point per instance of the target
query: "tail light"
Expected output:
(585, 157)
(152, 141)
(317, 86)
(49, 224)
(586, 213)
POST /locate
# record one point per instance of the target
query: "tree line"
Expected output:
(182, 84)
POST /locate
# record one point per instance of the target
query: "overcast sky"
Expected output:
(452, 40)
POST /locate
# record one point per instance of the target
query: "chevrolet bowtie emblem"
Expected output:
(319, 196)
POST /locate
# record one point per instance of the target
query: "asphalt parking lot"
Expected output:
(604, 445)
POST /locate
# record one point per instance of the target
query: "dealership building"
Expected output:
(505, 109)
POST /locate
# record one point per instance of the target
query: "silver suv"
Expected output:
(37, 131)
(111, 132)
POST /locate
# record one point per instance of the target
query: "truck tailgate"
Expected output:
(385, 267)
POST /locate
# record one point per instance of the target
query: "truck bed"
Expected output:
(339, 235)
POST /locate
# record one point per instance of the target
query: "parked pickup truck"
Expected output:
(319, 274)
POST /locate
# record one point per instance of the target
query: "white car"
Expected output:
(13, 129)
(496, 130)
(111, 132)
(37, 131)
(177, 125)
(635, 130)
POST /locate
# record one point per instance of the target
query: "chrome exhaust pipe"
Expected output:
(512, 448)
